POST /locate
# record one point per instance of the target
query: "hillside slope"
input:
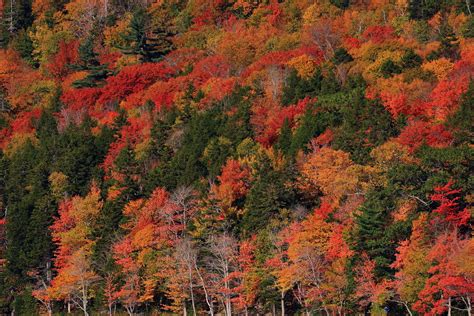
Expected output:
(236, 157)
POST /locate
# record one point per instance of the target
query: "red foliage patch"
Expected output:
(133, 79)
(378, 33)
(268, 118)
(449, 208)
(67, 55)
(418, 132)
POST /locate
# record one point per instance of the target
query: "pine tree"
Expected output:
(97, 73)
(341, 4)
(365, 124)
(283, 144)
(148, 42)
(341, 56)
(24, 46)
(468, 28)
(449, 46)
(461, 120)
(17, 15)
(370, 235)
(423, 9)
(267, 198)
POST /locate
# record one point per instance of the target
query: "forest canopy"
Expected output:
(236, 157)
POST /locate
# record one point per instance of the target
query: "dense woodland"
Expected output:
(236, 157)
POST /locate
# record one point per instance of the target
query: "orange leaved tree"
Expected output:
(72, 232)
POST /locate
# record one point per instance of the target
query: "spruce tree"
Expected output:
(461, 121)
(423, 9)
(149, 42)
(97, 73)
(449, 44)
(370, 233)
(24, 46)
(365, 125)
(283, 144)
(267, 198)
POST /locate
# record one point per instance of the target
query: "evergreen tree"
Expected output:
(313, 123)
(268, 197)
(370, 233)
(389, 68)
(79, 156)
(341, 56)
(97, 73)
(365, 125)
(151, 43)
(283, 144)
(341, 4)
(24, 46)
(461, 121)
(411, 60)
(17, 15)
(237, 127)
(30, 213)
(423, 9)
(468, 28)
(449, 44)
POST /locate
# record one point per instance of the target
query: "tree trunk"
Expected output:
(282, 302)
(206, 294)
(408, 309)
(191, 291)
(449, 306)
(468, 305)
(185, 311)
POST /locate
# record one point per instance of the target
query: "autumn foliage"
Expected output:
(236, 157)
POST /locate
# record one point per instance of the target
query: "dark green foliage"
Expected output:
(461, 122)
(4, 107)
(186, 166)
(408, 178)
(148, 47)
(390, 68)
(215, 155)
(411, 60)
(341, 4)
(208, 138)
(17, 15)
(313, 123)
(449, 47)
(23, 44)
(365, 125)
(373, 233)
(267, 198)
(30, 212)
(283, 144)
(297, 88)
(79, 157)
(341, 56)
(97, 73)
(25, 303)
(467, 7)
(468, 29)
(423, 9)
(237, 127)
(448, 163)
